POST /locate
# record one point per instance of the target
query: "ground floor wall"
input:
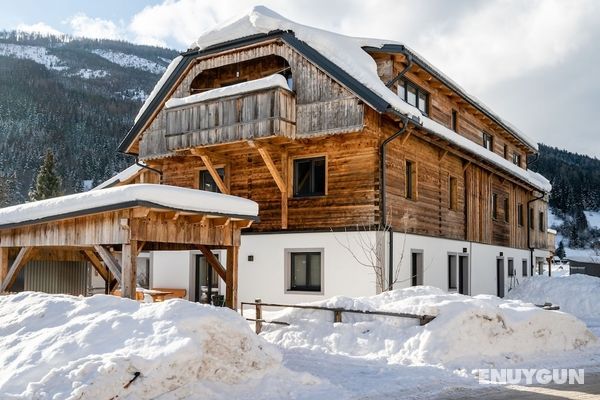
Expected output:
(346, 265)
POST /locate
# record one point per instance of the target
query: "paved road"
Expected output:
(587, 391)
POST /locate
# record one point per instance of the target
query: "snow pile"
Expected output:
(271, 81)
(130, 61)
(467, 332)
(122, 176)
(38, 54)
(172, 197)
(161, 82)
(576, 294)
(90, 348)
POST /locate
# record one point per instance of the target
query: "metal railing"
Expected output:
(337, 313)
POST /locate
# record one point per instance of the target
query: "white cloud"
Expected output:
(39, 27)
(95, 28)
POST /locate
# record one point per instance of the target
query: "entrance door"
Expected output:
(416, 268)
(463, 274)
(500, 276)
(207, 281)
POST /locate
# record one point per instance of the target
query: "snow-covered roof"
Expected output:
(591, 259)
(271, 81)
(160, 196)
(348, 54)
(122, 176)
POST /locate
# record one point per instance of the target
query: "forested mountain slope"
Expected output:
(76, 97)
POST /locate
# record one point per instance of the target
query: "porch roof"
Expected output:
(162, 197)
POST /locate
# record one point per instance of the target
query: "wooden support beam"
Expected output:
(96, 263)
(405, 138)
(466, 166)
(271, 167)
(221, 222)
(214, 174)
(442, 155)
(22, 258)
(213, 261)
(111, 262)
(129, 267)
(140, 212)
(140, 247)
(243, 224)
(231, 281)
(4, 265)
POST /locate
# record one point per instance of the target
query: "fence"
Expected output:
(337, 313)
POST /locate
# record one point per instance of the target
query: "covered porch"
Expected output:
(110, 227)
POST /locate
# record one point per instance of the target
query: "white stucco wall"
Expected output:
(264, 277)
(171, 269)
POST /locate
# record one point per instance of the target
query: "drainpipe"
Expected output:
(531, 248)
(382, 202)
(156, 171)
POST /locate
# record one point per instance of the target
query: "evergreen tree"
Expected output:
(47, 183)
(560, 251)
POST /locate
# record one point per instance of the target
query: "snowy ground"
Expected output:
(70, 347)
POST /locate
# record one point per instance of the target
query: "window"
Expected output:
(516, 159)
(452, 273)
(511, 267)
(524, 266)
(506, 210)
(541, 221)
(309, 177)
(488, 141)
(416, 267)
(453, 193)
(531, 215)
(520, 214)
(413, 95)
(143, 273)
(454, 122)
(411, 180)
(305, 270)
(494, 206)
(505, 151)
(208, 183)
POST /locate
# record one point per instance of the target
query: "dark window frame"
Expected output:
(525, 267)
(520, 216)
(204, 176)
(541, 224)
(405, 84)
(410, 177)
(506, 210)
(453, 193)
(495, 206)
(531, 218)
(313, 192)
(452, 272)
(516, 158)
(454, 122)
(488, 141)
(308, 287)
(506, 151)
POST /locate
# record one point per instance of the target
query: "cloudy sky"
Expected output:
(534, 62)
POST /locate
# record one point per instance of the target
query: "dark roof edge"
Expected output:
(115, 207)
(399, 48)
(307, 51)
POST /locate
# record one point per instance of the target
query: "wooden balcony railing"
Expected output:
(264, 113)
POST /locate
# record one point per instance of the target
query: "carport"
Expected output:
(110, 227)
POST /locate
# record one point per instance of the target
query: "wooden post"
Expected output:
(337, 316)
(231, 281)
(22, 258)
(258, 316)
(3, 263)
(284, 194)
(129, 266)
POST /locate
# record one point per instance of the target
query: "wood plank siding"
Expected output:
(256, 138)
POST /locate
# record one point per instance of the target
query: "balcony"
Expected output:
(252, 115)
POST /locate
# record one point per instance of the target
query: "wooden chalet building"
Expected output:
(357, 151)
(336, 137)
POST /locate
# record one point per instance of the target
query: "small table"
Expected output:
(157, 295)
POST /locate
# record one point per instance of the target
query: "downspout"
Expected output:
(531, 248)
(156, 171)
(382, 201)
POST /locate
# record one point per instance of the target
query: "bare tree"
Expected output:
(367, 247)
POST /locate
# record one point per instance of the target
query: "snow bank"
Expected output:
(130, 61)
(172, 197)
(37, 54)
(467, 332)
(576, 294)
(271, 81)
(65, 347)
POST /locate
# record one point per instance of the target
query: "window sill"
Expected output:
(316, 196)
(304, 292)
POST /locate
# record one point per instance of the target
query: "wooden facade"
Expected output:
(454, 189)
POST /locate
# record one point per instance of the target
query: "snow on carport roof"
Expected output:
(160, 196)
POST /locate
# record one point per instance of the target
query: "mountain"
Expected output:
(575, 197)
(76, 97)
